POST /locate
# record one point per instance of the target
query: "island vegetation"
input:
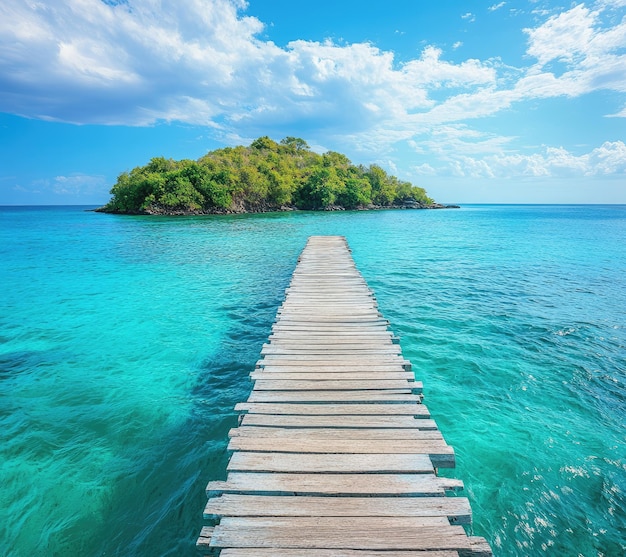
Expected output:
(265, 176)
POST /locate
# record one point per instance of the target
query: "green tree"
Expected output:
(294, 144)
(263, 175)
(264, 143)
(320, 190)
(357, 192)
(383, 192)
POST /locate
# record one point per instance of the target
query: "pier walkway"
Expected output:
(335, 454)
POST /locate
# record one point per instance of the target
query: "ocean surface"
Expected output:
(125, 342)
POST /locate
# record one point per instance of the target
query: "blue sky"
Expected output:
(478, 102)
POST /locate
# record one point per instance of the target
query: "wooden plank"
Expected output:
(347, 343)
(334, 340)
(373, 409)
(242, 461)
(343, 421)
(332, 375)
(397, 395)
(456, 509)
(441, 454)
(358, 321)
(479, 547)
(355, 434)
(333, 307)
(275, 552)
(381, 533)
(309, 523)
(204, 539)
(333, 367)
(283, 326)
(382, 485)
(338, 351)
(336, 337)
(347, 358)
(336, 385)
(291, 331)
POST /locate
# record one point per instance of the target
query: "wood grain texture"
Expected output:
(373, 409)
(456, 509)
(382, 485)
(242, 461)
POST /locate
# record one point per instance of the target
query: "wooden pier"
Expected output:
(335, 454)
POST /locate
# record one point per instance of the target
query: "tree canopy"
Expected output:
(264, 176)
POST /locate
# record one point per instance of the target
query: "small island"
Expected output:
(265, 176)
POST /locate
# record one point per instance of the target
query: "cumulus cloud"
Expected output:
(606, 160)
(139, 62)
(131, 62)
(592, 56)
(201, 62)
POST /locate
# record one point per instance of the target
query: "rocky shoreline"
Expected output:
(239, 210)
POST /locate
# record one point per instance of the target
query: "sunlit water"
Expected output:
(125, 342)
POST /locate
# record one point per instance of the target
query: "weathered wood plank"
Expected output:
(333, 307)
(356, 434)
(332, 375)
(441, 454)
(204, 539)
(333, 367)
(334, 340)
(335, 385)
(334, 322)
(337, 351)
(321, 331)
(343, 362)
(274, 552)
(345, 523)
(381, 533)
(328, 328)
(373, 409)
(337, 421)
(358, 345)
(397, 395)
(381, 485)
(456, 509)
(242, 461)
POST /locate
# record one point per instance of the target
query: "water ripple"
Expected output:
(126, 342)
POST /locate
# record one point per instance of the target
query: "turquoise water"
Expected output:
(126, 341)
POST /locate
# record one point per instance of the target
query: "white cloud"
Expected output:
(592, 55)
(87, 61)
(612, 3)
(469, 16)
(496, 6)
(564, 37)
(620, 114)
(423, 170)
(203, 62)
(139, 62)
(607, 160)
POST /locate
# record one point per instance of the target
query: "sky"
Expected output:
(477, 102)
